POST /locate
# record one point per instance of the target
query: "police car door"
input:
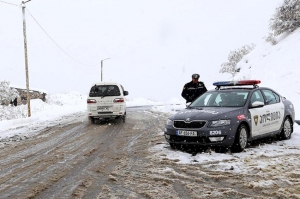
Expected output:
(275, 115)
(258, 124)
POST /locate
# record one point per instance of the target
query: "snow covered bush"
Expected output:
(271, 39)
(286, 17)
(234, 57)
(6, 93)
(13, 112)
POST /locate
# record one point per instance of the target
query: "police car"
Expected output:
(230, 116)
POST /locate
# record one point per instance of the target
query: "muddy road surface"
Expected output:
(114, 160)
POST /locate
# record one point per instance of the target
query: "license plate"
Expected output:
(103, 107)
(186, 133)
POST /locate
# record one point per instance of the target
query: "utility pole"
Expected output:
(102, 67)
(26, 59)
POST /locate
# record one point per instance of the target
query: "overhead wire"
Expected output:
(57, 44)
(9, 3)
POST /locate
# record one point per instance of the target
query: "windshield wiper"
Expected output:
(105, 94)
(194, 108)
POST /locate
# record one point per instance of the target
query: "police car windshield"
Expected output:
(221, 99)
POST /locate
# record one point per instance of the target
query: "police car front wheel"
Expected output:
(241, 139)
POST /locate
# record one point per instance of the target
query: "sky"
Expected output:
(151, 45)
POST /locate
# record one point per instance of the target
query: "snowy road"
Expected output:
(132, 160)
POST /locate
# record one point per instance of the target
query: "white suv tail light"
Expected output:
(119, 100)
(91, 101)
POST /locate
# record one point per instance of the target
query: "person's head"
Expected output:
(224, 97)
(195, 78)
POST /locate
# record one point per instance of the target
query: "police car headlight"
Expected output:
(169, 122)
(216, 123)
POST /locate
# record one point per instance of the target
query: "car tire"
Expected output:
(120, 118)
(241, 139)
(287, 129)
(124, 117)
(106, 120)
(91, 120)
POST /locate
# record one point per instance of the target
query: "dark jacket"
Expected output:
(193, 90)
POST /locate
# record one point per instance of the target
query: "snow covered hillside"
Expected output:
(277, 66)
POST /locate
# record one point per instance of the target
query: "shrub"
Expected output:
(234, 57)
(6, 93)
(286, 17)
(271, 39)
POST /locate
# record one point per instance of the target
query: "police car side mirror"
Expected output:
(257, 104)
(125, 93)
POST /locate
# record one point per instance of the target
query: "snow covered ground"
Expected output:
(268, 163)
(64, 108)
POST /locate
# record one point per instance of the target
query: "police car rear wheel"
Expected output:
(241, 139)
(286, 130)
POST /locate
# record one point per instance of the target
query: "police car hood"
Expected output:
(207, 113)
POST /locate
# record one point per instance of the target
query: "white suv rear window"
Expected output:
(104, 90)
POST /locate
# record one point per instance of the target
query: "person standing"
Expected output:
(193, 89)
(16, 102)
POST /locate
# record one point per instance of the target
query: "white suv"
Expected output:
(106, 100)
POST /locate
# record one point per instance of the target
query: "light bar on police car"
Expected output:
(237, 83)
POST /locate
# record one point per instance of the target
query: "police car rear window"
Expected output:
(104, 90)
